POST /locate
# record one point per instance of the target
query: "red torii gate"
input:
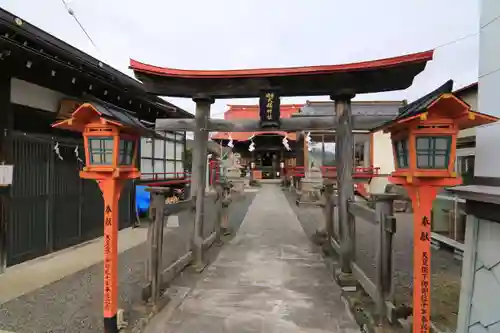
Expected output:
(340, 82)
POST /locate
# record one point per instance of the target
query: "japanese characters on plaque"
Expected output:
(269, 109)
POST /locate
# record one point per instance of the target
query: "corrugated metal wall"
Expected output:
(50, 207)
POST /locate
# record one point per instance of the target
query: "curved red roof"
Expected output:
(245, 136)
(235, 112)
(267, 72)
(388, 74)
(252, 111)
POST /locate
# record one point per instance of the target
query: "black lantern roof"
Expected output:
(112, 112)
(420, 105)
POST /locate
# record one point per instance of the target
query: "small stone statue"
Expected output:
(311, 186)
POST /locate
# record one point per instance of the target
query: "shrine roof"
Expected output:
(387, 74)
(358, 108)
(251, 111)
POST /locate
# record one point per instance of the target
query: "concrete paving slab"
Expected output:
(268, 279)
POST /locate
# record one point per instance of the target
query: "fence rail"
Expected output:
(157, 275)
(331, 171)
(381, 288)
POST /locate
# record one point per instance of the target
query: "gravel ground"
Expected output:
(446, 269)
(74, 303)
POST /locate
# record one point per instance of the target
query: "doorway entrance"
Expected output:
(268, 164)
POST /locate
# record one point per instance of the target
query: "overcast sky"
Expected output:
(229, 34)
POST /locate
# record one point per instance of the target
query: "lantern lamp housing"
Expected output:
(424, 137)
(109, 148)
(425, 149)
(110, 140)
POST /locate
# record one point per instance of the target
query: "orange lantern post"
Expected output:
(110, 159)
(424, 138)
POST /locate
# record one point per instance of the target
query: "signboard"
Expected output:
(269, 108)
(6, 174)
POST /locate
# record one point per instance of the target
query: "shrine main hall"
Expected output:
(270, 153)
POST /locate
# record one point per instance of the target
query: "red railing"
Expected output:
(165, 178)
(331, 172)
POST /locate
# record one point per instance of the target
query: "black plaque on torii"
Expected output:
(269, 109)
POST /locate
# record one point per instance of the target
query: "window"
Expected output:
(179, 151)
(360, 160)
(159, 168)
(170, 155)
(127, 148)
(146, 168)
(159, 148)
(433, 152)
(465, 167)
(146, 147)
(179, 167)
(163, 157)
(170, 169)
(101, 150)
(401, 148)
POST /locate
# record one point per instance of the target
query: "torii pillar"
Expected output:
(199, 174)
(344, 156)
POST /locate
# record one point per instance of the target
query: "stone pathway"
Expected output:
(267, 279)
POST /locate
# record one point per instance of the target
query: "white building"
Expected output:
(479, 309)
(163, 159)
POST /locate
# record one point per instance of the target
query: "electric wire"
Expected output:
(72, 13)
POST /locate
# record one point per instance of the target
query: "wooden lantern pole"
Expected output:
(110, 176)
(111, 189)
(422, 197)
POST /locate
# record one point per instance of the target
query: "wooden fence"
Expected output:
(343, 240)
(159, 277)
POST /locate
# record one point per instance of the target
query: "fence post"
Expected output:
(158, 204)
(384, 208)
(218, 217)
(329, 210)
